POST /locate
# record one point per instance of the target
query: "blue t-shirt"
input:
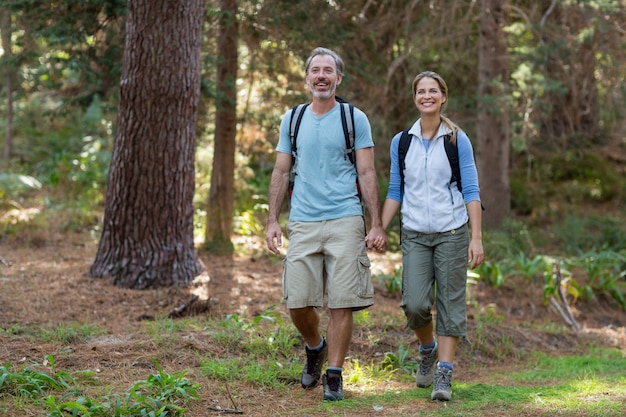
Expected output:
(325, 180)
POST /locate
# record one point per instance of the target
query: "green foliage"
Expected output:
(391, 282)
(552, 283)
(64, 334)
(69, 151)
(393, 236)
(608, 365)
(29, 382)
(402, 359)
(252, 368)
(220, 246)
(72, 333)
(491, 273)
(164, 332)
(45, 222)
(593, 244)
(577, 178)
(581, 233)
(81, 406)
(15, 186)
(531, 269)
(264, 341)
(66, 153)
(67, 47)
(163, 387)
(234, 321)
(515, 236)
(158, 395)
(266, 332)
(583, 177)
(606, 272)
(369, 374)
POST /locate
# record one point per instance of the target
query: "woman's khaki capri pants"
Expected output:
(434, 265)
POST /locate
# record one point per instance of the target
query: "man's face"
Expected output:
(322, 77)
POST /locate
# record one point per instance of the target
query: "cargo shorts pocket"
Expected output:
(366, 288)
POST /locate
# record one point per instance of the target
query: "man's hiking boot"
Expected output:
(442, 389)
(426, 372)
(313, 368)
(333, 386)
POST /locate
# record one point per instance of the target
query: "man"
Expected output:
(326, 229)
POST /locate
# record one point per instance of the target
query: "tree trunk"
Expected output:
(221, 196)
(493, 122)
(5, 32)
(147, 237)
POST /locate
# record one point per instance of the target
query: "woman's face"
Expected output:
(428, 96)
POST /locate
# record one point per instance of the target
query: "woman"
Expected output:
(436, 246)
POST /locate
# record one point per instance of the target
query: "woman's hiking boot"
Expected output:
(442, 389)
(426, 372)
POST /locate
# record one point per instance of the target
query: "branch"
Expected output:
(192, 307)
(234, 410)
(224, 410)
(565, 312)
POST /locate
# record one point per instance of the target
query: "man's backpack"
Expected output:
(347, 122)
(452, 151)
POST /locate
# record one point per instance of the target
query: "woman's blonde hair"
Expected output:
(444, 91)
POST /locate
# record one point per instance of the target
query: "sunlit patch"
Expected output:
(19, 215)
(200, 286)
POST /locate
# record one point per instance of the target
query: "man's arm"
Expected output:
(279, 184)
(369, 189)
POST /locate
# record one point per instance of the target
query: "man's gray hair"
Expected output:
(325, 51)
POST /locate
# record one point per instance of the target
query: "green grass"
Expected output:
(71, 333)
(265, 353)
(64, 334)
(592, 386)
(599, 363)
(60, 393)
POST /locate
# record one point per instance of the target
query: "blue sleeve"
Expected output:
(394, 192)
(469, 174)
(363, 133)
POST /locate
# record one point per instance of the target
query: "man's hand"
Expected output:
(274, 237)
(376, 239)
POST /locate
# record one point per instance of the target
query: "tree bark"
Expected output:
(221, 196)
(5, 32)
(147, 236)
(492, 153)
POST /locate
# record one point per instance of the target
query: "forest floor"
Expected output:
(47, 286)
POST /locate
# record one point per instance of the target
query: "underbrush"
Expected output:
(264, 353)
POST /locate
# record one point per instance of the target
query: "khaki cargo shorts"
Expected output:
(327, 257)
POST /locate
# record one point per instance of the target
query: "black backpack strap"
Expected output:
(294, 126)
(296, 114)
(403, 148)
(347, 122)
(452, 151)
